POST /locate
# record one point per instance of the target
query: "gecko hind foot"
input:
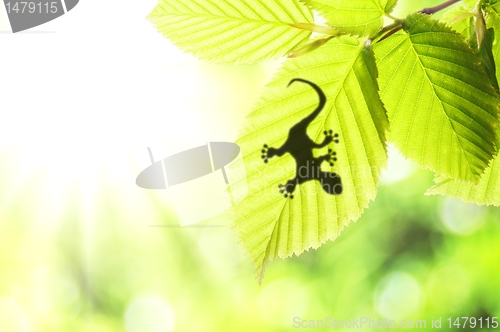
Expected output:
(332, 157)
(284, 189)
(330, 136)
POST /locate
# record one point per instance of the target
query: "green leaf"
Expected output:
(462, 20)
(442, 107)
(485, 192)
(492, 9)
(357, 17)
(486, 54)
(233, 31)
(269, 225)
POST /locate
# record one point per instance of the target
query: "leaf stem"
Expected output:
(325, 30)
(390, 33)
(391, 17)
(390, 27)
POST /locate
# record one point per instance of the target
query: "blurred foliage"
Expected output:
(410, 256)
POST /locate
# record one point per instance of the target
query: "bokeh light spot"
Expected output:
(149, 313)
(461, 218)
(398, 167)
(12, 316)
(397, 296)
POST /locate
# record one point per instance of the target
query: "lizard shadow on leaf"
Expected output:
(301, 146)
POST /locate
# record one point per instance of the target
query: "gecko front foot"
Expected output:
(265, 153)
(269, 152)
(330, 137)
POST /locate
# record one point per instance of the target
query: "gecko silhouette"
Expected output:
(301, 146)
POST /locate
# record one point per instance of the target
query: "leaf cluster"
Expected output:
(430, 87)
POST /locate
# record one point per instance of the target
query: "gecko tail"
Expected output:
(321, 95)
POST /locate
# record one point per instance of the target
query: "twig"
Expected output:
(435, 9)
(397, 25)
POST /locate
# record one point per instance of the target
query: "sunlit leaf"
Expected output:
(441, 104)
(462, 20)
(270, 225)
(485, 192)
(358, 17)
(492, 9)
(233, 31)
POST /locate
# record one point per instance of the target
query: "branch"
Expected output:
(398, 24)
(435, 9)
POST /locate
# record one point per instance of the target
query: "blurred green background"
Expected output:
(105, 257)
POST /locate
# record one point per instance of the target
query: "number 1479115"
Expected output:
(26, 7)
(472, 322)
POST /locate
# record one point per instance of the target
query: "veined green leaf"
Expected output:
(486, 53)
(233, 31)
(357, 17)
(462, 20)
(485, 192)
(269, 225)
(492, 9)
(442, 107)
